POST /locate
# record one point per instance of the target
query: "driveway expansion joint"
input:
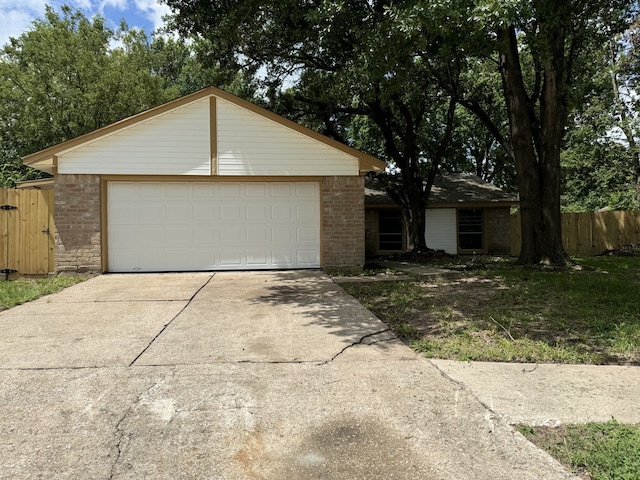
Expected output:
(354, 344)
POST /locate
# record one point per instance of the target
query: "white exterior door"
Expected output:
(441, 230)
(190, 226)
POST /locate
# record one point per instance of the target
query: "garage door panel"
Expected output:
(180, 226)
(205, 213)
(256, 212)
(230, 235)
(150, 214)
(230, 190)
(255, 190)
(281, 190)
(281, 213)
(231, 259)
(282, 235)
(177, 215)
(150, 237)
(257, 258)
(122, 214)
(307, 257)
(257, 235)
(282, 257)
(204, 190)
(306, 212)
(205, 236)
(231, 212)
(307, 235)
(308, 190)
(177, 238)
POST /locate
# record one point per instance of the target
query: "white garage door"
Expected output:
(188, 226)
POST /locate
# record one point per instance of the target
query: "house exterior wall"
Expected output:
(78, 242)
(77, 219)
(343, 224)
(273, 149)
(174, 143)
(497, 230)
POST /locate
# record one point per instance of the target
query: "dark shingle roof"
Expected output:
(450, 188)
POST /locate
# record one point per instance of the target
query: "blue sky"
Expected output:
(16, 15)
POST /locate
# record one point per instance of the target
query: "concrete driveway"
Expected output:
(274, 375)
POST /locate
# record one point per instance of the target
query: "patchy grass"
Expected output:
(502, 312)
(598, 451)
(15, 292)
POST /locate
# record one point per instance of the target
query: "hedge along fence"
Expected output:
(590, 233)
(26, 232)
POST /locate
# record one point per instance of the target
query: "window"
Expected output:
(470, 228)
(390, 230)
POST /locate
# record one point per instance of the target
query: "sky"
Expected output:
(16, 15)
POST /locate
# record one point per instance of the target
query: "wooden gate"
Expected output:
(26, 232)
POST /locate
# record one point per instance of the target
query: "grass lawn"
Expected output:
(597, 451)
(15, 292)
(501, 312)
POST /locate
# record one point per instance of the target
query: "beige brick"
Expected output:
(77, 218)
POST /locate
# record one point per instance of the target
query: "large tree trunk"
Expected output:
(536, 154)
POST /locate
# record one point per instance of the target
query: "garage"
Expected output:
(191, 226)
(206, 182)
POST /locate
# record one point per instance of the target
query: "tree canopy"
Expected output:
(68, 75)
(407, 66)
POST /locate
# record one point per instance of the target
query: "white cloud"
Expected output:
(154, 11)
(18, 15)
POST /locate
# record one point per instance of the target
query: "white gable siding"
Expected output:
(174, 143)
(441, 231)
(249, 144)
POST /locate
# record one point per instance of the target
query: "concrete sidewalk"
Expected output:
(262, 375)
(550, 395)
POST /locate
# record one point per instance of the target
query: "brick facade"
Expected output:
(497, 230)
(77, 218)
(343, 223)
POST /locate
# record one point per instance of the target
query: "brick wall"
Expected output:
(343, 223)
(77, 219)
(498, 230)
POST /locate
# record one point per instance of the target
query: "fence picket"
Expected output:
(590, 233)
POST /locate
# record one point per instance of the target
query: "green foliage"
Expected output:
(607, 451)
(63, 78)
(24, 290)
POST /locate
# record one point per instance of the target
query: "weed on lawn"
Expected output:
(503, 312)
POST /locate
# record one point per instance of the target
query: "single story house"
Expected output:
(206, 182)
(465, 215)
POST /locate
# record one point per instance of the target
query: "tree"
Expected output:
(404, 64)
(335, 66)
(558, 36)
(62, 78)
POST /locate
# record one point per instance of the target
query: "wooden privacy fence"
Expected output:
(590, 233)
(26, 232)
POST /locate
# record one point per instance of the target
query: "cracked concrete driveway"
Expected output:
(269, 375)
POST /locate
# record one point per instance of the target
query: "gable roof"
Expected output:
(46, 159)
(450, 189)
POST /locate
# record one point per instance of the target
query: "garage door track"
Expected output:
(262, 375)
